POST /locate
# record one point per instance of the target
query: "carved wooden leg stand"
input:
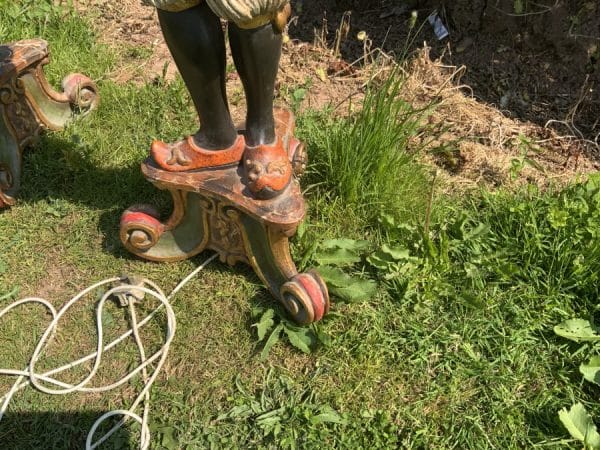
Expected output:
(28, 105)
(214, 210)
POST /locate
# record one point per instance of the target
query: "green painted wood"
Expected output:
(187, 239)
(267, 266)
(53, 114)
(10, 162)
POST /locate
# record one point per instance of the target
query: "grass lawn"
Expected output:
(453, 347)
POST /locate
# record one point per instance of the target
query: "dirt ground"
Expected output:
(539, 65)
(498, 77)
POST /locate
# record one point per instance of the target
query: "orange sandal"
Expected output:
(268, 169)
(186, 155)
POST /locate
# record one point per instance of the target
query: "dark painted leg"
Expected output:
(256, 54)
(197, 43)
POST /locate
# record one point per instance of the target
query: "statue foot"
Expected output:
(186, 155)
(268, 170)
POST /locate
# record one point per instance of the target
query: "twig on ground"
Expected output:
(546, 9)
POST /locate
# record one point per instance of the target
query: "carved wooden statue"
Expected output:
(234, 191)
(28, 105)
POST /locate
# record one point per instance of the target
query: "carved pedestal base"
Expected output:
(28, 105)
(214, 210)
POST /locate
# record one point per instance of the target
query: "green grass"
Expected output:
(456, 349)
(366, 161)
(74, 45)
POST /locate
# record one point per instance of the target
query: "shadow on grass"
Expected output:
(545, 424)
(57, 430)
(58, 170)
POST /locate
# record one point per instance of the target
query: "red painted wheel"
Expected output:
(140, 228)
(313, 273)
(81, 91)
(305, 297)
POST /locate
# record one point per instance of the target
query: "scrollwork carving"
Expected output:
(20, 117)
(225, 234)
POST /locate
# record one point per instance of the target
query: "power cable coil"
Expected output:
(30, 376)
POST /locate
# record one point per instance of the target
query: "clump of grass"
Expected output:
(368, 160)
(545, 243)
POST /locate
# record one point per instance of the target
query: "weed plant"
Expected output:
(368, 159)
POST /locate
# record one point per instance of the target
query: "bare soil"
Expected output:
(478, 145)
(498, 78)
(540, 64)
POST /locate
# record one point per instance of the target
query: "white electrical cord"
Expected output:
(29, 375)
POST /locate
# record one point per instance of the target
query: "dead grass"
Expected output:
(477, 143)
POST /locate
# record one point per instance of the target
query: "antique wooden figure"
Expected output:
(193, 32)
(234, 191)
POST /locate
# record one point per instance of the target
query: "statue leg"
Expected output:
(256, 53)
(196, 41)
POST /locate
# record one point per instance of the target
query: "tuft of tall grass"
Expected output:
(368, 159)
